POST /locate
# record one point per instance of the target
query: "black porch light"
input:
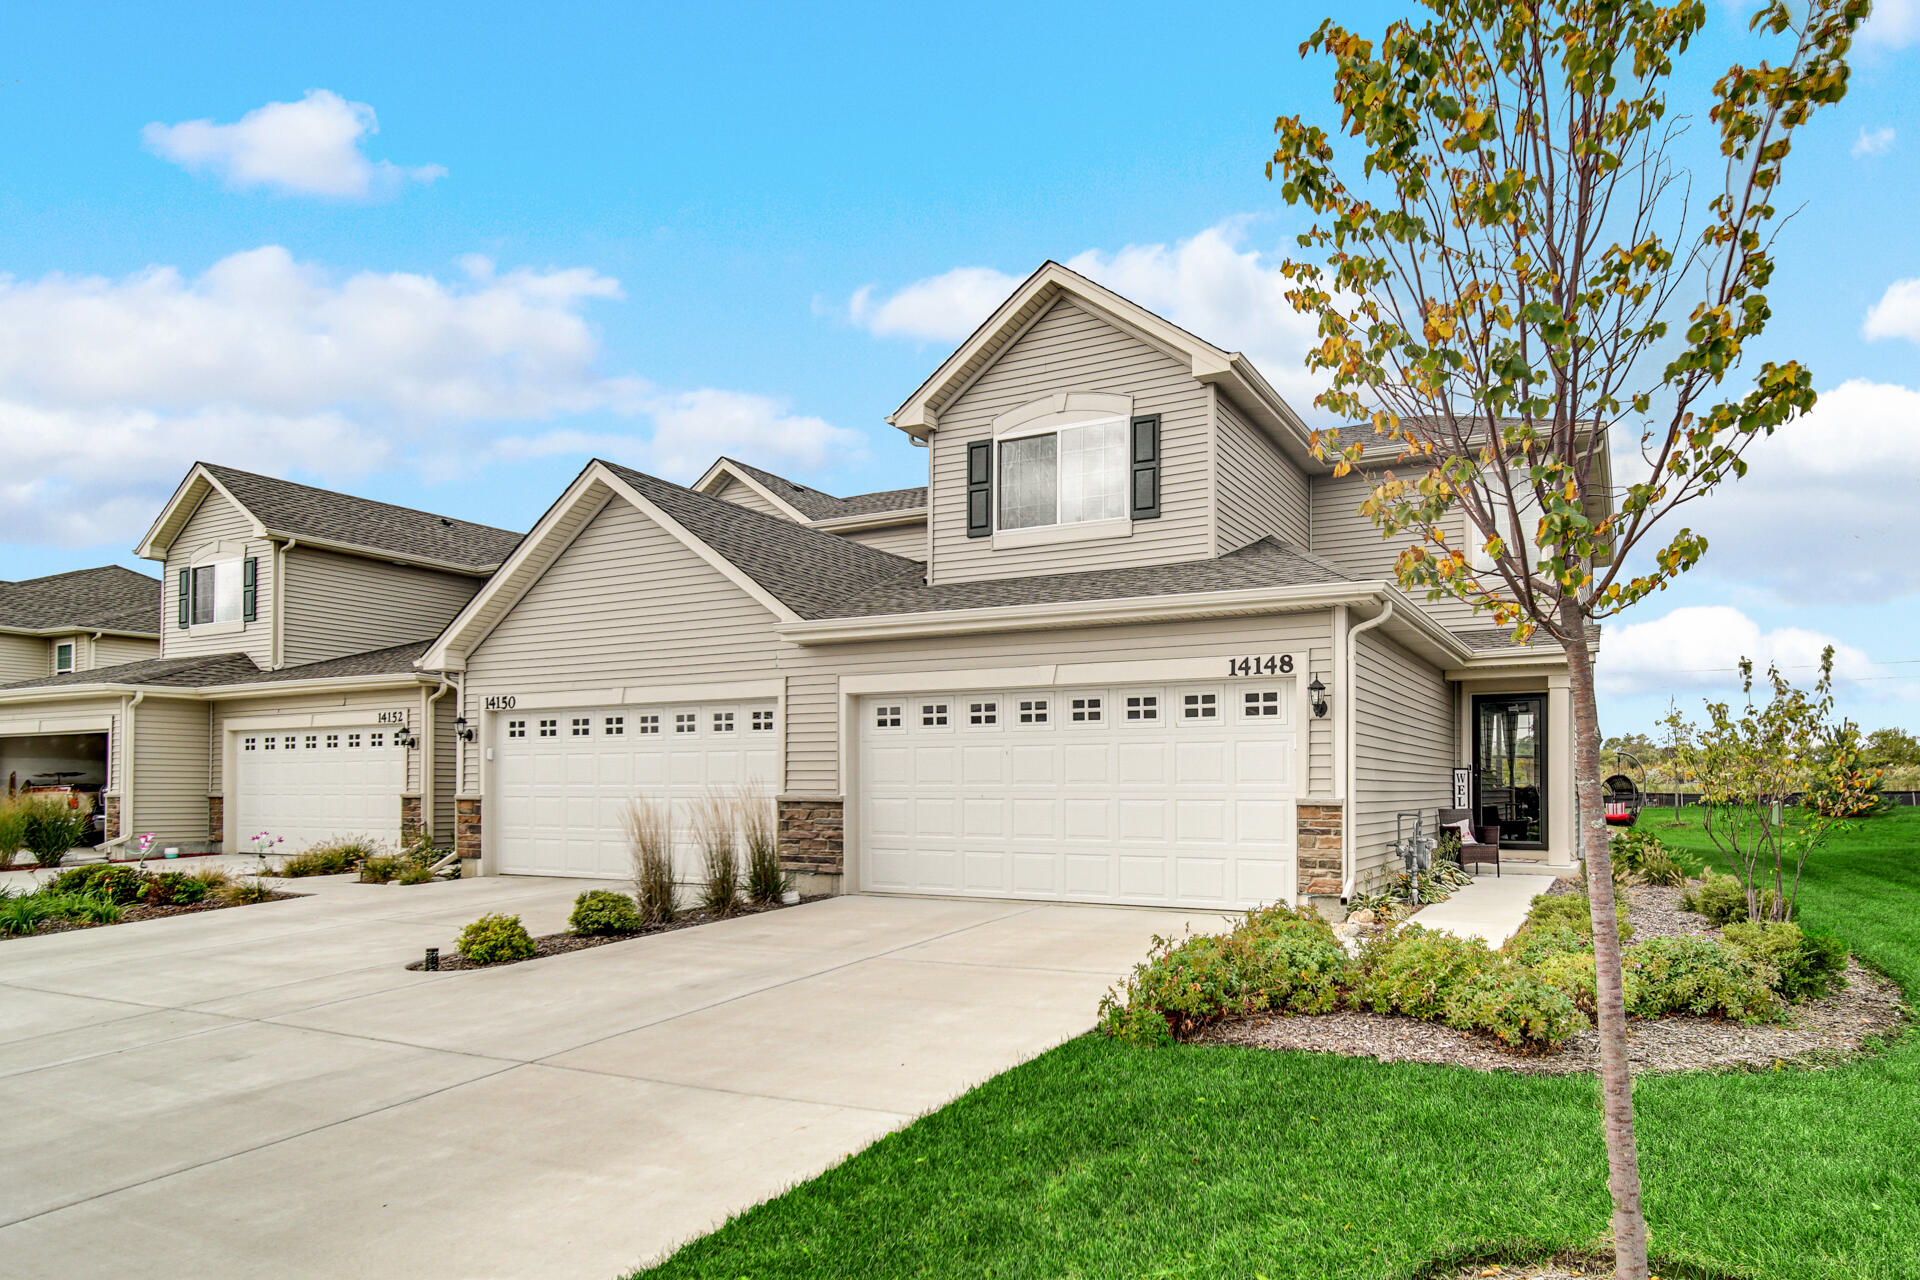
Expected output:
(462, 730)
(1317, 698)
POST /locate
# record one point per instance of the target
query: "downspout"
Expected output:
(126, 770)
(427, 754)
(277, 650)
(1349, 718)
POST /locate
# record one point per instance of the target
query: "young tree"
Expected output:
(1503, 266)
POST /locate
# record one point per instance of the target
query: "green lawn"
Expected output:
(1101, 1160)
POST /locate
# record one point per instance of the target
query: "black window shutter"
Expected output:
(249, 575)
(1146, 468)
(979, 488)
(186, 596)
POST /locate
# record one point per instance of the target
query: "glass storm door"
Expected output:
(1509, 766)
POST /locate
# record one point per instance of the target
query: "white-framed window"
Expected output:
(515, 729)
(1069, 476)
(686, 721)
(1087, 709)
(548, 729)
(63, 658)
(763, 722)
(933, 715)
(249, 744)
(216, 592)
(886, 716)
(582, 726)
(1258, 703)
(1199, 706)
(983, 713)
(1034, 710)
(648, 724)
(723, 722)
(1142, 708)
(616, 726)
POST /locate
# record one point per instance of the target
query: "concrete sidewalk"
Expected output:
(1492, 907)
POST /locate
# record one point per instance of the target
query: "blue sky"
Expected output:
(660, 232)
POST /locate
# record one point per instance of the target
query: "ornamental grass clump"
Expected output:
(754, 810)
(649, 826)
(335, 857)
(714, 833)
(1274, 960)
(54, 824)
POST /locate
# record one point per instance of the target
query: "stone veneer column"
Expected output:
(112, 806)
(813, 841)
(1318, 858)
(409, 817)
(216, 820)
(466, 827)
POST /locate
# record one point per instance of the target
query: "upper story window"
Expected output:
(1069, 467)
(1068, 476)
(63, 658)
(219, 591)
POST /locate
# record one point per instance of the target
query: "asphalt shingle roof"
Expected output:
(204, 671)
(304, 511)
(108, 598)
(815, 505)
(1494, 639)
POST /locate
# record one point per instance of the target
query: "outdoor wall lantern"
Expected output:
(464, 731)
(1317, 698)
(407, 738)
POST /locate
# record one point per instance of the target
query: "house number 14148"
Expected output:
(1272, 665)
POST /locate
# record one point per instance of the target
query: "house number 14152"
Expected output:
(1272, 665)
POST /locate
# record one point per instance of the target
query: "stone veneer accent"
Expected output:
(1318, 858)
(409, 817)
(466, 826)
(812, 835)
(112, 807)
(216, 820)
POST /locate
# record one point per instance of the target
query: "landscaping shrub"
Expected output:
(1661, 868)
(246, 890)
(1698, 975)
(85, 908)
(21, 914)
(1808, 965)
(176, 889)
(602, 912)
(13, 830)
(713, 832)
(1415, 971)
(1571, 973)
(650, 848)
(381, 868)
(1575, 911)
(1516, 1005)
(119, 884)
(336, 857)
(54, 826)
(1721, 899)
(414, 873)
(1273, 960)
(1538, 942)
(754, 809)
(495, 938)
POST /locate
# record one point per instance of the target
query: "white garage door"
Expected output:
(1178, 795)
(562, 780)
(316, 784)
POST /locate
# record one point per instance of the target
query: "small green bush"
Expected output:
(1721, 899)
(1415, 971)
(1700, 976)
(121, 884)
(1575, 911)
(85, 908)
(494, 939)
(1808, 965)
(1537, 942)
(1571, 973)
(603, 913)
(1273, 960)
(23, 914)
(381, 868)
(1514, 1004)
(248, 889)
(177, 889)
(54, 825)
(334, 858)
(414, 873)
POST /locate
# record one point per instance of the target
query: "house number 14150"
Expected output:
(1272, 665)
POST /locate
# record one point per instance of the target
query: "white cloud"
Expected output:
(942, 308)
(1819, 518)
(1210, 284)
(1894, 24)
(1896, 315)
(310, 147)
(109, 388)
(1874, 142)
(1699, 647)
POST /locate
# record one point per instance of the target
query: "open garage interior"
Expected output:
(1174, 795)
(56, 760)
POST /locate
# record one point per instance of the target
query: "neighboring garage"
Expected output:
(563, 778)
(1174, 795)
(319, 783)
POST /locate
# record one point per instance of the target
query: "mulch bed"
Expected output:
(1561, 1266)
(141, 911)
(1817, 1033)
(554, 944)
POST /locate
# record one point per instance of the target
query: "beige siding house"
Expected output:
(1132, 644)
(277, 688)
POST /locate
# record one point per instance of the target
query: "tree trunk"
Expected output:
(1616, 1073)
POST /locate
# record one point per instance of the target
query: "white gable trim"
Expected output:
(726, 469)
(192, 491)
(543, 546)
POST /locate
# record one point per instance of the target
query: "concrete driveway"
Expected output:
(265, 1091)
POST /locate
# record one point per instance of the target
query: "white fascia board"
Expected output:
(1495, 665)
(207, 693)
(74, 629)
(1083, 613)
(725, 467)
(151, 549)
(871, 520)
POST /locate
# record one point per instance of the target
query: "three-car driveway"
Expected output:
(265, 1091)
